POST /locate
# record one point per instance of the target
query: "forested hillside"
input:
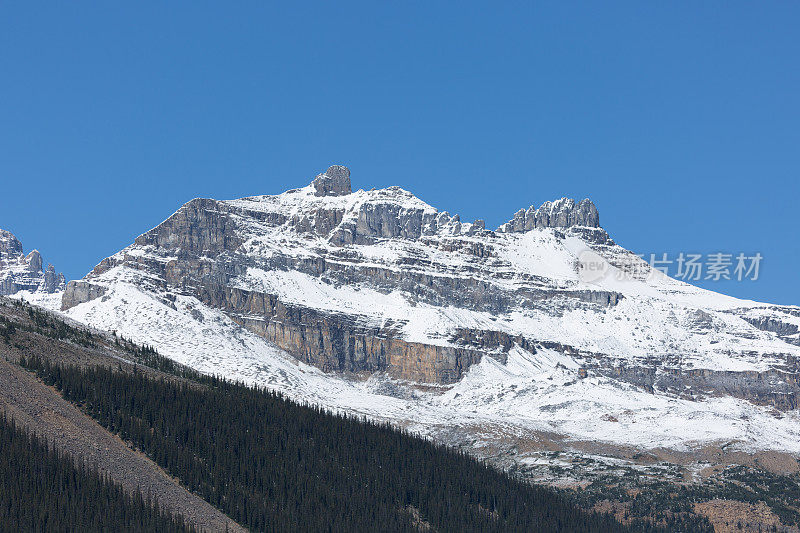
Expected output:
(42, 489)
(274, 465)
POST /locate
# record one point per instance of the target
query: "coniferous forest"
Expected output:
(42, 489)
(274, 465)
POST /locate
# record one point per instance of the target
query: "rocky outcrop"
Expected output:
(779, 389)
(773, 324)
(78, 292)
(52, 281)
(20, 272)
(333, 182)
(563, 213)
(780, 320)
(34, 261)
(390, 214)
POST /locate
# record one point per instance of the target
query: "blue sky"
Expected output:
(681, 120)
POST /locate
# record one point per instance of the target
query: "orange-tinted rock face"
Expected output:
(340, 343)
(331, 347)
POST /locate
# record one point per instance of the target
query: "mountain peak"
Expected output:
(333, 182)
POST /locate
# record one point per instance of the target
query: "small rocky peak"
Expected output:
(53, 281)
(587, 212)
(562, 213)
(333, 182)
(34, 261)
(20, 272)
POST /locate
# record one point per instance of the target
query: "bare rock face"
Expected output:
(196, 227)
(338, 343)
(20, 272)
(334, 182)
(79, 291)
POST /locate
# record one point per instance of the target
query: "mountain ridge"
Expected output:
(377, 303)
(329, 210)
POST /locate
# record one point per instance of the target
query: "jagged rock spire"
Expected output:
(563, 213)
(333, 182)
(20, 272)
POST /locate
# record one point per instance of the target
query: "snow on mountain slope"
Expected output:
(375, 302)
(530, 392)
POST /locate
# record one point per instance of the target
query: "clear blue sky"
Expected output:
(681, 120)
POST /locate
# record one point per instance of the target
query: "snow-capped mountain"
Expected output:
(376, 302)
(21, 273)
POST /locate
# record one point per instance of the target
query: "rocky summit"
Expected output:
(24, 273)
(378, 303)
(334, 182)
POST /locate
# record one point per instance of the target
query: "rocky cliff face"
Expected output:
(20, 272)
(380, 282)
